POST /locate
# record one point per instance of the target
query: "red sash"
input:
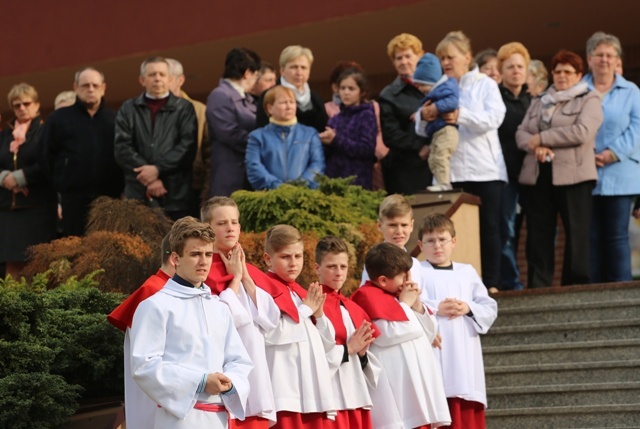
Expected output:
(378, 304)
(333, 313)
(122, 316)
(279, 290)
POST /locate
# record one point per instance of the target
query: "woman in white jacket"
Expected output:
(477, 165)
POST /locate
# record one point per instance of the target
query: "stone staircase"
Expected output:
(565, 358)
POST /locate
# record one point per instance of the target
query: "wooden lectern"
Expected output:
(464, 211)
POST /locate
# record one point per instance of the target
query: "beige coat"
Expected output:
(572, 135)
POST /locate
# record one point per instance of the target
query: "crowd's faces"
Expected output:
(249, 79)
(287, 262)
(155, 79)
(565, 76)
(405, 62)
(490, 68)
(437, 247)
(283, 108)
(297, 71)
(175, 85)
(25, 108)
(332, 271)
(454, 63)
(604, 60)
(349, 92)
(533, 87)
(194, 263)
(392, 285)
(265, 81)
(396, 230)
(225, 221)
(90, 87)
(514, 73)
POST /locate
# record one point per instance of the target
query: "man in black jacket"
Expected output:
(156, 142)
(78, 146)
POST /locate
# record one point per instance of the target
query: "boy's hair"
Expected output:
(165, 249)
(386, 259)
(330, 244)
(436, 222)
(280, 236)
(206, 212)
(393, 206)
(186, 228)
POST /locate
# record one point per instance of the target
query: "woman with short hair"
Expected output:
(537, 78)
(617, 158)
(559, 172)
(28, 201)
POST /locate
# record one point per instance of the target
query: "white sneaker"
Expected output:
(440, 187)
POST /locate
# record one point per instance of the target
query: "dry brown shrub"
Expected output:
(128, 217)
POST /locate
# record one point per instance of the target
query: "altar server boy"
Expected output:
(186, 354)
(392, 300)
(352, 365)
(464, 311)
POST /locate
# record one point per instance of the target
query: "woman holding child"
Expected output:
(477, 165)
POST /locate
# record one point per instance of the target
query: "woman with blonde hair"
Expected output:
(537, 78)
(403, 170)
(27, 199)
(477, 165)
(617, 157)
(513, 61)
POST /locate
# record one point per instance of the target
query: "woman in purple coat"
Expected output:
(231, 116)
(350, 148)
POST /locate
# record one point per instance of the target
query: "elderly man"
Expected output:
(156, 142)
(201, 164)
(78, 146)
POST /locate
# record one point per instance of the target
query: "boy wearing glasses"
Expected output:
(464, 311)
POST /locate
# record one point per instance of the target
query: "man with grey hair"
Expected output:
(201, 163)
(156, 142)
(78, 151)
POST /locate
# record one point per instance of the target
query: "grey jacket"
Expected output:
(571, 137)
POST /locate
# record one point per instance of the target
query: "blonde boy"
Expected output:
(464, 311)
(392, 300)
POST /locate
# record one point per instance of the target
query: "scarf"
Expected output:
(279, 290)
(303, 98)
(378, 304)
(19, 135)
(551, 99)
(333, 313)
(289, 123)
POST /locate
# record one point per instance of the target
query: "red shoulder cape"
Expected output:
(378, 304)
(122, 316)
(279, 291)
(333, 313)
(218, 278)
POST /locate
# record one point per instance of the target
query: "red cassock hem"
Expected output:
(253, 422)
(352, 419)
(466, 414)
(291, 420)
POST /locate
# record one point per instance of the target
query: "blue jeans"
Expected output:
(610, 249)
(509, 272)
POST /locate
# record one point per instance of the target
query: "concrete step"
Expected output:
(593, 330)
(563, 395)
(620, 416)
(563, 373)
(565, 313)
(568, 295)
(562, 352)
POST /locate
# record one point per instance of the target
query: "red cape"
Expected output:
(333, 313)
(218, 278)
(122, 316)
(279, 290)
(378, 304)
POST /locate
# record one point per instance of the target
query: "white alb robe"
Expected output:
(413, 387)
(298, 365)
(461, 354)
(252, 321)
(178, 335)
(140, 410)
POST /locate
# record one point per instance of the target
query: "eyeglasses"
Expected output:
(605, 56)
(567, 72)
(22, 103)
(433, 241)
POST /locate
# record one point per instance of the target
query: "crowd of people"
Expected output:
(490, 125)
(212, 342)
